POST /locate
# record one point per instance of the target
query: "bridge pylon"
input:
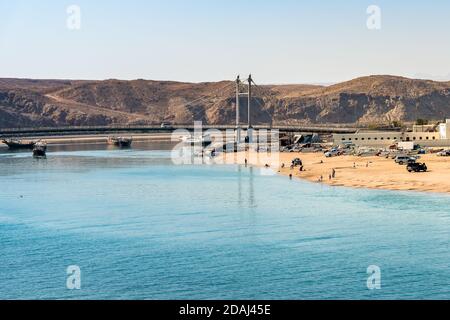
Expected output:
(248, 94)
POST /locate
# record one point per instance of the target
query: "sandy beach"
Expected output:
(358, 172)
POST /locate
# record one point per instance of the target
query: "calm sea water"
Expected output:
(142, 228)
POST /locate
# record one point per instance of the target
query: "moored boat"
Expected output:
(19, 144)
(204, 140)
(40, 149)
(122, 142)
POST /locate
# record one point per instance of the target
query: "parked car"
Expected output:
(297, 162)
(445, 153)
(165, 125)
(383, 153)
(296, 149)
(393, 155)
(332, 153)
(348, 145)
(422, 151)
(401, 160)
(417, 167)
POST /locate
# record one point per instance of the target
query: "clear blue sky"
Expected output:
(279, 41)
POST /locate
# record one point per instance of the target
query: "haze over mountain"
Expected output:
(373, 99)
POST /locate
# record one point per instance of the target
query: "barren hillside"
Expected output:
(30, 103)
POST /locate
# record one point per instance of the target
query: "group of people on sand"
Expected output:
(331, 176)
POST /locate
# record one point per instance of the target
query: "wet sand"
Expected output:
(359, 172)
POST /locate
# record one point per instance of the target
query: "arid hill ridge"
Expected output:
(373, 99)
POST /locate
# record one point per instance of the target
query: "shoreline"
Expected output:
(376, 173)
(350, 171)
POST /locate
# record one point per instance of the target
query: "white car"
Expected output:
(332, 153)
(445, 153)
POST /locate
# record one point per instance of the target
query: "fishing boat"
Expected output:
(19, 144)
(204, 140)
(40, 149)
(122, 142)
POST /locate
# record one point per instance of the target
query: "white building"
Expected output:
(444, 129)
(424, 138)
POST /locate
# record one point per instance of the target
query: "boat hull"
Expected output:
(120, 142)
(38, 153)
(40, 150)
(13, 145)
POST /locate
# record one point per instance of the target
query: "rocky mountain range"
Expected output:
(367, 100)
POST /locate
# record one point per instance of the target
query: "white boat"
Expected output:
(204, 140)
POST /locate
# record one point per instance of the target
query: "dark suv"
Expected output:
(297, 162)
(417, 167)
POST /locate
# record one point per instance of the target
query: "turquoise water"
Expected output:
(142, 228)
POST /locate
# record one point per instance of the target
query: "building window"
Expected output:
(434, 138)
(428, 138)
(362, 138)
(356, 139)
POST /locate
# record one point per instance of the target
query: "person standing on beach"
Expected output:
(246, 162)
(333, 173)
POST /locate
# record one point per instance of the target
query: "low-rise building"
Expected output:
(444, 129)
(424, 138)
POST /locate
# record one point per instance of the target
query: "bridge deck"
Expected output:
(156, 129)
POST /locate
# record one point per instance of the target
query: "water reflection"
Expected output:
(84, 157)
(251, 194)
(138, 145)
(246, 187)
(81, 158)
(202, 232)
